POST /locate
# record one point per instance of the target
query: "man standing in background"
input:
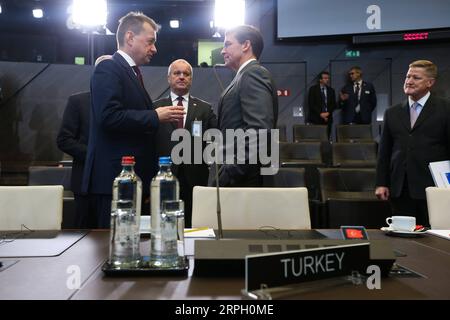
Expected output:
(322, 102)
(199, 118)
(357, 99)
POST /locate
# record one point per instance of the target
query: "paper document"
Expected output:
(199, 233)
(440, 233)
(440, 171)
(188, 233)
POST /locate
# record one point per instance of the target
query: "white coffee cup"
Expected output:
(401, 223)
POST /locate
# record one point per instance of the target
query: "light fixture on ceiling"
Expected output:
(89, 13)
(174, 23)
(229, 13)
(38, 13)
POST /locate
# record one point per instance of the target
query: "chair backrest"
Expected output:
(41, 175)
(285, 177)
(309, 152)
(354, 133)
(358, 154)
(438, 201)
(309, 132)
(336, 183)
(282, 132)
(252, 208)
(36, 207)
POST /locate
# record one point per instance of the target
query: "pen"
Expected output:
(196, 229)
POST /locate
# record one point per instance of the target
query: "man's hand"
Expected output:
(343, 96)
(170, 113)
(324, 116)
(382, 193)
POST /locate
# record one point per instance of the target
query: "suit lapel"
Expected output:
(427, 110)
(404, 116)
(129, 71)
(191, 114)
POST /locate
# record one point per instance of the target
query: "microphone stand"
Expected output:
(219, 212)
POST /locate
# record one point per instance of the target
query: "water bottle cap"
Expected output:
(164, 160)
(127, 160)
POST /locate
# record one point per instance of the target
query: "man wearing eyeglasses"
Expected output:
(199, 117)
(357, 99)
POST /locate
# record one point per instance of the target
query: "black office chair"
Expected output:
(355, 155)
(41, 175)
(307, 155)
(285, 177)
(282, 132)
(348, 197)
(309, 132)
(354, 133)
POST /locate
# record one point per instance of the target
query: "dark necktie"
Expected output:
(180, 121)
(357, 89)
(139, 75)
(324, 97)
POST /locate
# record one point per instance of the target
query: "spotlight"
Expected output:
(229, 13)
(89, 13)
(174, 24)
(38, 13)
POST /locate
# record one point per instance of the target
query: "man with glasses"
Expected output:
(199, 117)
(357, 99)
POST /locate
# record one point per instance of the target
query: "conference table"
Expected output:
(76, 274)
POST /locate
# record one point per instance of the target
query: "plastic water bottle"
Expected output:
(125, 217)
(164, 186)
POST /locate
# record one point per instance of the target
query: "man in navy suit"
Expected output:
(416, 132)
(357, 99)
(123, 120)
(199, 118)
(73, 139)
(322, 102)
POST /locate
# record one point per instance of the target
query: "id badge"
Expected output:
(197, 129)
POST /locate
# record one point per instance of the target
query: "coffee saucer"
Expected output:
(399, 233)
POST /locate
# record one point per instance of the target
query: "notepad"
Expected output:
(440, 233)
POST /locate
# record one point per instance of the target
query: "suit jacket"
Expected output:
(316, 103)
(198, 110)
(406, 151)
(367, 103)
(123, 122)
(74, 134)
(249, 102)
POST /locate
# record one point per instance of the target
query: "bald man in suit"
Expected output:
(198, 113)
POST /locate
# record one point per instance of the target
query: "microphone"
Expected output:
(219, 65)
(218, 208)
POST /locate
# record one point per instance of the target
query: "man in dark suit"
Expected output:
(416, 132)
(357, 99)
(73, 140)
(123, 120)
(199, 114)
(321, 102)
(249, 102)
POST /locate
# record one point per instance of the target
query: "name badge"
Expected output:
(197, 129)
(367, 92)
